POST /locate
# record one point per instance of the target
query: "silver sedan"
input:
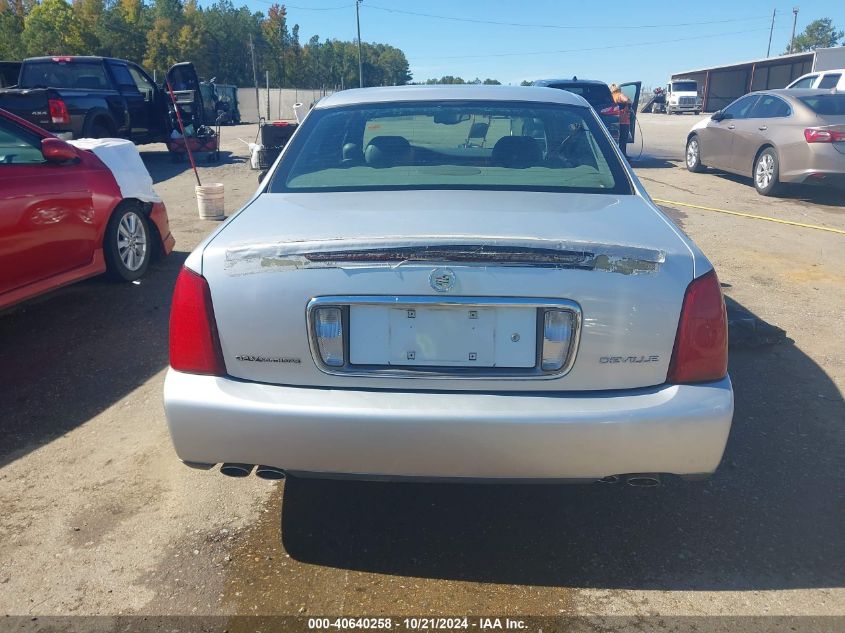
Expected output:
(401, 300)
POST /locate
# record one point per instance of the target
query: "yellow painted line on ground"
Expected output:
(750, 215)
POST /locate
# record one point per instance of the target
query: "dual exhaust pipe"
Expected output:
(244, 470)
(636, 480)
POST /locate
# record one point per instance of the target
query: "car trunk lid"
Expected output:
(380, 256)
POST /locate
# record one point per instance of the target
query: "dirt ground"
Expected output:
(100, 517)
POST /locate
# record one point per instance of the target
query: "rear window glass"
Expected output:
(452, 145)
(833, 105)
(595, 95)
(806, 82)
(122, 76)
(50, 74)
(829, 81)
(770, 106)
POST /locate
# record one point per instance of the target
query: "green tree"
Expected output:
(11, 30)
(216, 38)
(526, 82)
(492, 82)
(123, 29)
(274, 30)
(818, 34)
(394, 66)
(89, 17)
(446, 79)
(191, 40)
(51, 29)
(162, 44)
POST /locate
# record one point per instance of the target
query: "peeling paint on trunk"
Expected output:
(392, 252)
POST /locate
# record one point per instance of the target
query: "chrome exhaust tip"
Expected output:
(236, 470)
(643, 480)
(269, 472)
(610, 479)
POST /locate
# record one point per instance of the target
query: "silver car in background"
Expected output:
(397, 301)
(776, 137)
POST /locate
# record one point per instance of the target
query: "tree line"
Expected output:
(450, 79)
(218, 39)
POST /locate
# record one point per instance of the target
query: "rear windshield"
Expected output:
(684, 86)
(451, 145)
(596, 95)
(832, 105)
(50, 74)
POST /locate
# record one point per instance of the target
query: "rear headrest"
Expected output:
(387, 151)
(352, 153)
(516, 151)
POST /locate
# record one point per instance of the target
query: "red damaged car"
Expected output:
(64, 216)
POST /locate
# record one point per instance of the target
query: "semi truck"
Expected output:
(682, 96)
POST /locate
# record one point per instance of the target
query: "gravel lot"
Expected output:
(100, 517)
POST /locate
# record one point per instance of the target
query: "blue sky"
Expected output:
(657, 38)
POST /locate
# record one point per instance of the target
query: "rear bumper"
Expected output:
(814, 163)
(816, 177)
(158, 215)
(679, 429)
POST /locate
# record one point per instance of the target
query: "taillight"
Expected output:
(823, 135)
(58, 111)
(610, 111)
(701, 345)
(194, 343)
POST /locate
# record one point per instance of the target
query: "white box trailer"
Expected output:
(720, 85)
(829, 58)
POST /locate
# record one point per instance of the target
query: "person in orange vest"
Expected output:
(624, 104)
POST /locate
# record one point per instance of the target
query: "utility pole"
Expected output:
(794, 22)
(255, 78)
(360, 64)
(769, 50)
(282, 83)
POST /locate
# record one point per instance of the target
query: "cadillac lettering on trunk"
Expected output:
(401, 300)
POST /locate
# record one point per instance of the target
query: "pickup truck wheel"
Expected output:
(98, 130)
(127, 244)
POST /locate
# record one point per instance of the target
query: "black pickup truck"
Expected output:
(97, 97)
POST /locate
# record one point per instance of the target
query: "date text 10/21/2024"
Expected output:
(417, 624)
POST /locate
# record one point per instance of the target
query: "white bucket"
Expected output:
(210, 201)
(255, 155)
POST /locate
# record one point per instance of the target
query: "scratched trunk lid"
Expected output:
(390, 256)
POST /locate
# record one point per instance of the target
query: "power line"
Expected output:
(599, 48)
(558, 26)
(292, 6)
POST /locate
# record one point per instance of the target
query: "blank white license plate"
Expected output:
(425, 336)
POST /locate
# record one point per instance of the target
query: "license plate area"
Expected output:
(454, 337)
(443, 336)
